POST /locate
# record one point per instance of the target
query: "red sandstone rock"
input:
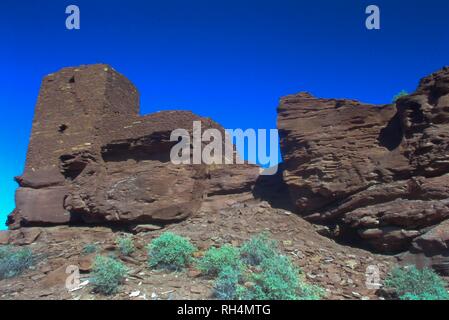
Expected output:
(92, 158)
(85, 263)
(4, 237)
(378, 173)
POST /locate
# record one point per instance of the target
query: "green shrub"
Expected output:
(14, 261)
(125, 245)
(215, 260)
(227, 283)
(107, 274)
(276, 278)
(257, 249)
(401, 94)
(90, 248)
(413, 284)
(170, 251)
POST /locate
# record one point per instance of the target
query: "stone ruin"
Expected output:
(93, 159)
(372, 176)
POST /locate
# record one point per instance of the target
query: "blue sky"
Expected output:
(227, 59)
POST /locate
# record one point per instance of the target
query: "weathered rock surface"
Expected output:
(93, 159)
(431, 249)
(374, 175)
(378, 175)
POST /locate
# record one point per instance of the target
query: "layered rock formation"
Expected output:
(375, 175)
(92, 158)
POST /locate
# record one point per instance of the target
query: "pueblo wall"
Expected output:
(93, 159)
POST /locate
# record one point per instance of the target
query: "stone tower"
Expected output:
(73, 108)
(93, 159)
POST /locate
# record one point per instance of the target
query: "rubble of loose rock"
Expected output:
(340, 270)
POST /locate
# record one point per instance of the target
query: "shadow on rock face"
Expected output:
(272, 188)
(391, 136)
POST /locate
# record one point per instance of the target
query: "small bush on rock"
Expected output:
(215, 260)
(401, 94)
(413, 284)
(14, 261)
(279, 279)
(125, 245)
(107, 274)
(170, 251)
(262, 274)
(89, 248)
(257, 249)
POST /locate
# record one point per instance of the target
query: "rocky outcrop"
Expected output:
(375, 175)
(431, 249)
(93, 159)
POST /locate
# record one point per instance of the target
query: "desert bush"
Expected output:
(107, 274)
(401, 94)
(13, 261)
(411, 283)
(278, 280)
(227, 283)
(89, 248)
(125, 245)
(257, 249)
(216, 259)
(170, 251)
(265, 274)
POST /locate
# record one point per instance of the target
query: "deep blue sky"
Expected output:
(227, 59)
